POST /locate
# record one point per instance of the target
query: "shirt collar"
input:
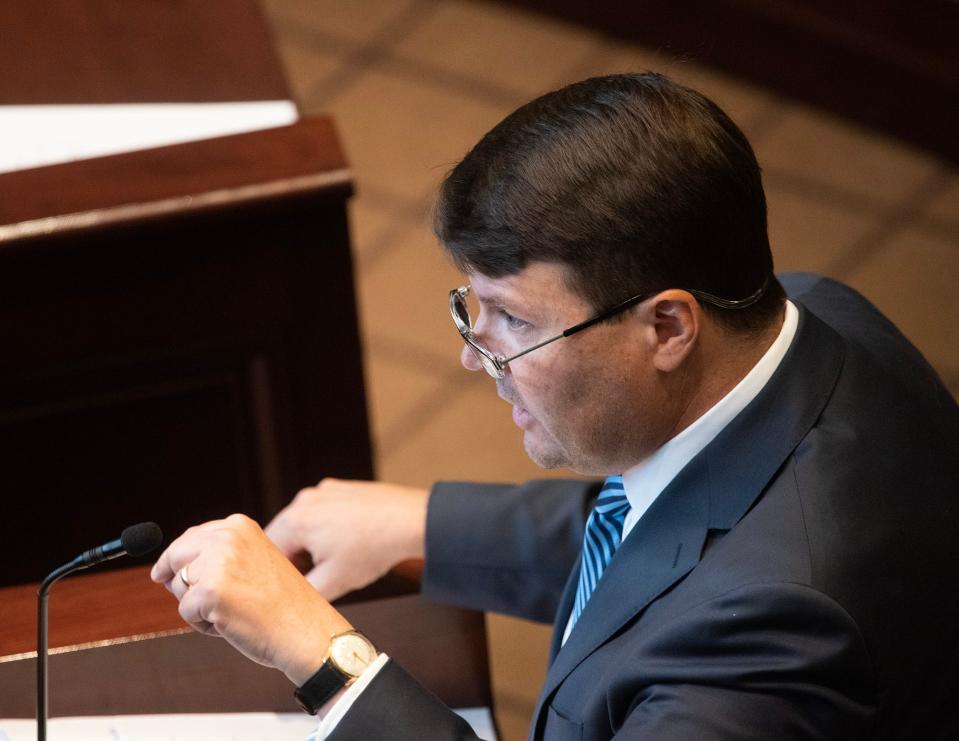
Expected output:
(645, 481)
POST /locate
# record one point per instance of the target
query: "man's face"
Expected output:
(591, 402)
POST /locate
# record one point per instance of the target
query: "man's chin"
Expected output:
(544, 456)
(549, 455)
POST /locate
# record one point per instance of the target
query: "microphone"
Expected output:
(136, 540)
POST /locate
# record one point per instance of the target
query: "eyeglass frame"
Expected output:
(495, 365)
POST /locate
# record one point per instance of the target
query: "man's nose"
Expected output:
(469, 360)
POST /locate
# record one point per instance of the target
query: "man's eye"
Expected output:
(512, 322)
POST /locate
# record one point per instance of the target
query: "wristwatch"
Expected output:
(349, 654)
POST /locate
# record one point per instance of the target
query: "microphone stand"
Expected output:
(136, 540)
(45, 585)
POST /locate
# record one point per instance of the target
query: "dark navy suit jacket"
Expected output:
(796, 580)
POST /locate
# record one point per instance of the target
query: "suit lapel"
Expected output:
(713, 491)
(663, 546)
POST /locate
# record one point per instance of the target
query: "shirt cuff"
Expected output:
(341, 706)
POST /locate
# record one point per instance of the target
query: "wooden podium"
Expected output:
(178, 327)
(119, 647)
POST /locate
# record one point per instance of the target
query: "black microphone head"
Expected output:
(138, 540)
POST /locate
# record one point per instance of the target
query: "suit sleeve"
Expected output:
(508, 549)
(395, 707)
(488, 547)
(765, 661)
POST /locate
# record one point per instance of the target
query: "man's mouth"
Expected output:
(521, 417)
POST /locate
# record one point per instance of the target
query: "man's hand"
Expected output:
(353, 531)
(244, 589)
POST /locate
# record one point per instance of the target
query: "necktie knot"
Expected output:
(611, 501)
(603, 534)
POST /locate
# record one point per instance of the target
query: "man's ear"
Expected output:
(675, 319)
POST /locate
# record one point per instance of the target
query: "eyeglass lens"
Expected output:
(462, 315)
(462, 312)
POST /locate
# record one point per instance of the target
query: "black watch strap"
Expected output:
(318, 689)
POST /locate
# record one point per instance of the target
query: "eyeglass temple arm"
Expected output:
(725, 303)
(584, 325)
(722, 303)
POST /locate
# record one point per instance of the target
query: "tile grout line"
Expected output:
(409, 207)
(291, 32)
(828, 194)
(583, 66)
(483, 90)
(897, 219)
(409, 354)
(450, 382)
(771, 116)
(405, 427)
(822, 192)
(356, 59)
(403, 217)
(382, 246)
(375, 53)
(369, 53)
(941, 228)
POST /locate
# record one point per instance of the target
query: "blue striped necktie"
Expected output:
(604, 530)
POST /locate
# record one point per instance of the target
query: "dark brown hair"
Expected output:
(635, 182)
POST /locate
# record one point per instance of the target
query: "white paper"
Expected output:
(196, 727)
(38, 135)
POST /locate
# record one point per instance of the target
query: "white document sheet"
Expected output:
(197, 727)
(38, 135)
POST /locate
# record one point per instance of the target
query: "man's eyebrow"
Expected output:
(497, 302)
(501, 303)
(494, 300)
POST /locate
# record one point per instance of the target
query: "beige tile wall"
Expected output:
(414, 83)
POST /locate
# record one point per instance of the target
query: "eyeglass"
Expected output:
(496, 365)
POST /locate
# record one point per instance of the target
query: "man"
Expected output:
(773, 553)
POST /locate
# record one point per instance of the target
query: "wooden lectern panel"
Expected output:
(121, 649)
(178, 325)
(91, 51)
(185, 354)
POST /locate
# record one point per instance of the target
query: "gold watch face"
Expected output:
(351, 653)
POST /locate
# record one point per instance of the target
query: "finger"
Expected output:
(177, 586)
(181, 551)
(193, 609)
(282, 531)
(288, 529)
(177, 554)
(327, 581)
